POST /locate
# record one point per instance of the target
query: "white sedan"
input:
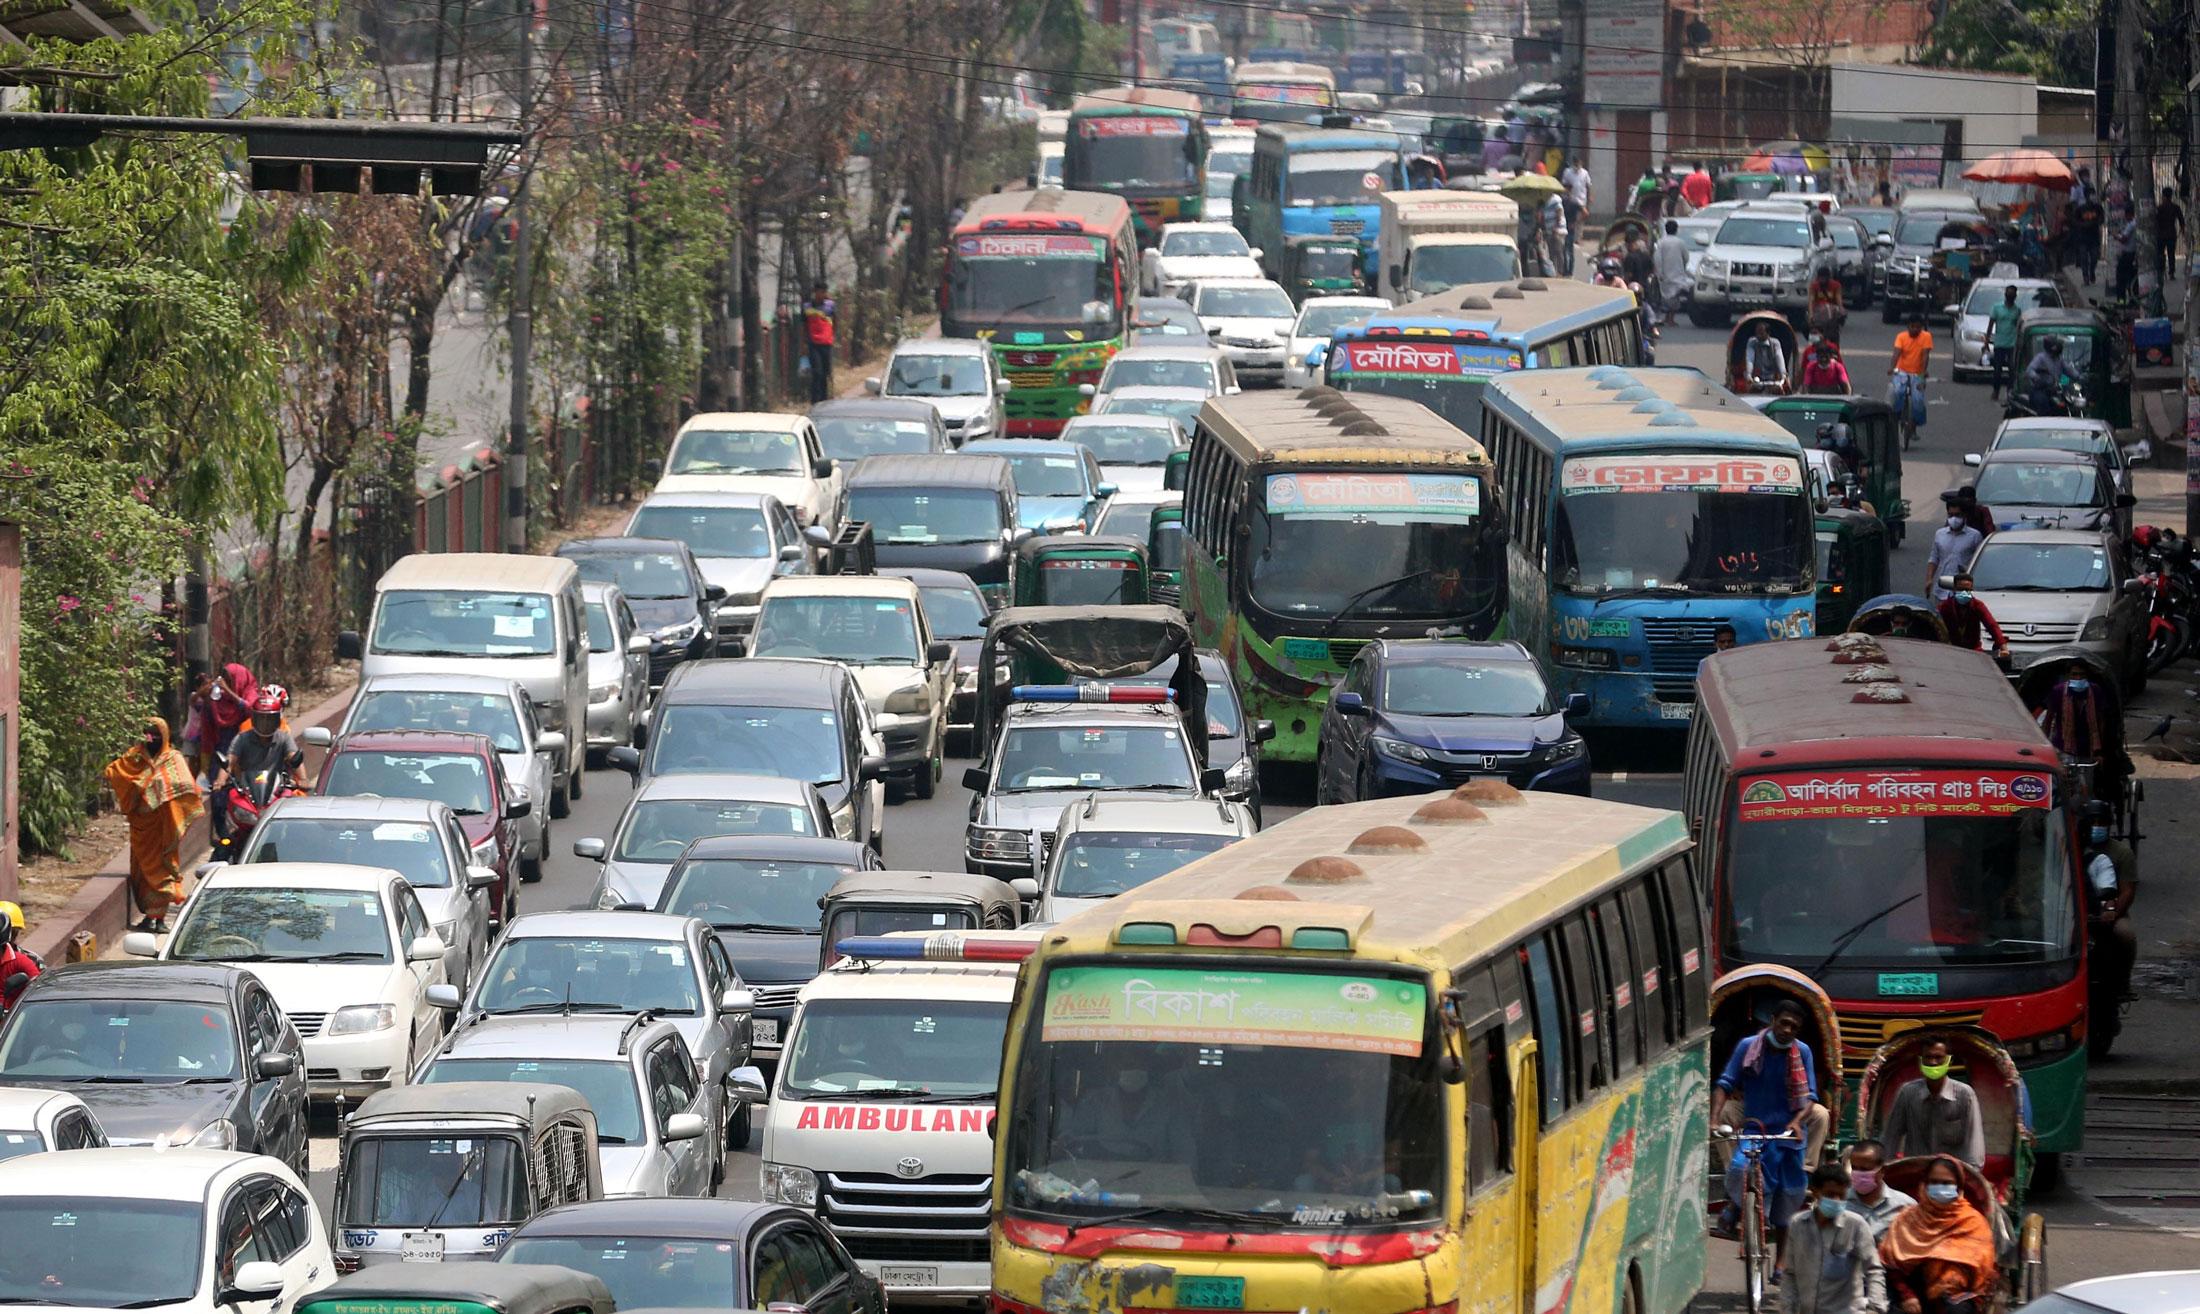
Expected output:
(33, 1121)
(347, 952)
(190, 1231)
(1250, 319)
(1188, 253)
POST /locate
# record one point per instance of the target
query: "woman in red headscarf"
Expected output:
(228, 707)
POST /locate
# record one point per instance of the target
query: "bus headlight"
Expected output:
(1587, 659)
(785, 1183)
(1399, 749)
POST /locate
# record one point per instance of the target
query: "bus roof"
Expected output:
(1136, 100)
(1477, 885)
(1553, 307)
(1674, 406)
(1322, 424)
(1790, 704)
(1297, 138)
(1047, 207)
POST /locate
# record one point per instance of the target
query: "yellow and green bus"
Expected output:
(1445, 1053)
(1147, 145)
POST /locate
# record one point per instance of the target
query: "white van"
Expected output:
(488, 613)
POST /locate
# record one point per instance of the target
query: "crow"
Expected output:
(2160, 731)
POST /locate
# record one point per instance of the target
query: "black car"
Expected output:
(193, 1053)
(673, 604)
(1233, 747)
(667, 1254)
(956, 608)
(791, 718)
(760, 893)
(856, 427)
(949, 512)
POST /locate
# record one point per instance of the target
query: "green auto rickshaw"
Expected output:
(2094, 354)
(1165, 555)
(1877, 446)
(1321, 266)
(1740, 186)
(1852, 564)
(1079, 570)
(1174, 469)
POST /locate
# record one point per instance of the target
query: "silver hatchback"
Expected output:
(2052, 588)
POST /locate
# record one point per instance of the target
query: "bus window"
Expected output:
(1687, 915)
(1619, 985)
(1653, 968)
(1489, 1108)
(1587, 1001)
(1553, 1029)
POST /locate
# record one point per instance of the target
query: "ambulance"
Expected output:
(881, 1112)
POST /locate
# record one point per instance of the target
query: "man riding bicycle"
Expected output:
(1773, 1078)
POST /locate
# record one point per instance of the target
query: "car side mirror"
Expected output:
(746, 1084)
(2126, 500)
(1951, 311)
(1254, 251)
(1026, 888)
(638, 643)
(551, 742)
(974, 779)
(939, 650)
(206, 869)
(317, 736)
(626, 758)
(1349, 704)
(737, 1000)
(443, 995)
(1021, 532)
(1946, 581)
(1577, 704)
(480, 878)
(1105, 490)
(275, 1065)
(792, 552)
(426, 949)
(1263, 730)
(261, 1279)
(714, 593)
(1087, 390)
(683, 1126)
(1972, 458)
(872, 767)
(1215, 332)
(519, 805)
(817, 536)
(1213, 780)
(348, 646)
(141, 944)
(870, 385)
(822, 468)
(590, 847)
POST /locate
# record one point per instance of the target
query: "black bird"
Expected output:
(2160, 731)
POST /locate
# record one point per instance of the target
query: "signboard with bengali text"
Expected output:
(1297, 1010)
(1029, 246)
(1132, 125)
(1682, 473)
(1422, 496)
(1864, 792)
(1419, 360)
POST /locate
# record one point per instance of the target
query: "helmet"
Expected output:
(2098, 812)
(273, 698)
(2144, 536)
(11, 915)
(1608, 264)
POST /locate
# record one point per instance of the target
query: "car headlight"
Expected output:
(785, 1183)
(447, 932)
(681, 633)
(2095, 630)
(1240, 775)
(551, 713)
(610, 899)
(916, 700)
(1000, 845)
(1712, 266)
(1588, 659)
(486, 853)
(844, 819)
(598, 693)
(1399, 748)
(359, 1019)
(1565, 750)
(219, 1134)
(1000, 675)
(966, 677)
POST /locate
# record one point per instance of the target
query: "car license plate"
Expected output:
(1676, 711)
(767, 1031)
(422, 1248)
(1210, 1292)
(909, 1275)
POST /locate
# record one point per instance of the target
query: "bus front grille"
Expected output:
(1678, 645)
(1862, 1034)
(1031, 378)
(1342, 651)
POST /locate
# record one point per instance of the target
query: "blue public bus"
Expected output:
(1441, 350)
(1646, 508)
(1307, 180)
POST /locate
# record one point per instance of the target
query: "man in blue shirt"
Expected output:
(1770, 1085)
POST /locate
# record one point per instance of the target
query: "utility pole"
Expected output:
(522, 321)
(2192, 291)
(2131, 106)
(1138, 43)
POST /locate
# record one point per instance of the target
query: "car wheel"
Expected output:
(737, 1129)
(926, 780)
(1321, 779)
(1702, 318)
(1889, 312)
(1363, 784)
(561, 803)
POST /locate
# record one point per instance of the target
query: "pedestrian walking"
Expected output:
(1575, 179)
(1696, 188)
(154, 788)
(2001, 336)
(2086, 220)
(1954, 543)
(817, 321)
(2169, 223)
(2127, 256)
(1832, 1257)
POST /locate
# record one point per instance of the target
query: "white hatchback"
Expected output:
(1250, 319)
(1318, 321)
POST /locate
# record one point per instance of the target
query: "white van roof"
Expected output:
(516, 572)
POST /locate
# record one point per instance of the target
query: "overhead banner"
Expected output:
(1682, 474)
(1028, 246)
(1297, 1010)
(1863, 792)
(1423, 496)
(1421, 360)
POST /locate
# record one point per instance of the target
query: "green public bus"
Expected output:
(1147, 145)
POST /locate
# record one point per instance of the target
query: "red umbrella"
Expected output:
(2024, 167)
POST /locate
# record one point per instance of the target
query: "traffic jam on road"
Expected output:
(1325, 743)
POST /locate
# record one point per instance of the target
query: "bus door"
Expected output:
(1498, 1229)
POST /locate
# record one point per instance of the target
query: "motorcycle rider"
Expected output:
(2112, 879)
(266, 746)
(14, 958)
(2044, 374)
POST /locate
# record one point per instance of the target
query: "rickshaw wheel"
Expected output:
(2032, 1281)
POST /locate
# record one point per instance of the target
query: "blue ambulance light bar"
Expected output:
(943, 948)
(1091, 693)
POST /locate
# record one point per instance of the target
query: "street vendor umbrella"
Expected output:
(1531, 188)
(1790, 157)
(2025, 167)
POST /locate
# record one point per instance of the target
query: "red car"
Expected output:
(460, 771)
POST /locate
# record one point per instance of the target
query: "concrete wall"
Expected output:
(1997, 113)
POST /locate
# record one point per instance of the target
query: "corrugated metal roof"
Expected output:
(1321, 424)
(1607, 401)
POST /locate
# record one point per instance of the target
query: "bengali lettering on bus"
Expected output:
(1868, 792)
(1127, 125)
(1028, 246)
(1681, 474)
(1432, 496)
(1288, 93)
(1301, 1010)
(1422, 359)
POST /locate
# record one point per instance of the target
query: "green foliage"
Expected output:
(2051, 40)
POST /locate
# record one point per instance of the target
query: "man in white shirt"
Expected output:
(1576, 181)
(1670, 260)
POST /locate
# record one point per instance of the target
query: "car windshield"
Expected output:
(1167, 313)
(1875, 221)
(1324, 321)
(1388, 546)
(928, 515)
(459, 781)
(954, 612)
(659, 830)
(1341, 177)
(1220, 186)
(411, 848)
(1920, 230)
(1847, 236)
(1445, 689)
(433, 1181)
(1754, 230)
(625, 976)
(118, 1040)
(1050, 169)
(417, 709)
(1264, 302)
(599, 628)
(945, 1047)
(1160, 373)
(260, 925)
(1095, 757)
(2021, 483)
(1803, 420)
(2005, 566)
(1986, 296)
(736, 451)
(792, 743)
(748, 893)
(608, 1086)
(638, 574)
(455, 623)
(642, 1272)
(1045, 474)
(708, 531)
(851, 438)
(1439, 268)
(1180, 409)
(1700, 524)
(935, 376)
(2094, 442)
(18, 1143)
(1127, 518)
(1102, 864)
(860, 630)
(100, 1253)
(1205, 242)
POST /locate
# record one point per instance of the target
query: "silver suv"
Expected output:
(1763, 258)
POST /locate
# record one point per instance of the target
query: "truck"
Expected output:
(1432, 240)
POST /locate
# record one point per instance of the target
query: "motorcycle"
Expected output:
(2163, 562)
(247, 802)
(2066, 401)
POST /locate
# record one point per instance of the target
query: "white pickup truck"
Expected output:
(1435, 240)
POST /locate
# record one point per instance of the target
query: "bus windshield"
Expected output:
(1709, 523)
(1041, 283)
(1370, 544)
(1166, 1091)
(1341, 177)
(1127, 151)
(1916, 891)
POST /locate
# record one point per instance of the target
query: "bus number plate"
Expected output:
(1210, 1292)
(1909, 983)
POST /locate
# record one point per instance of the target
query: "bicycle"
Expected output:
(1752, 1224)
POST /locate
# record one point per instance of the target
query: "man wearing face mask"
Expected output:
(1832, 1256)
(1935, 1113)
(1870, 1198)
(1965, 616)
(2111, 877)
(1954, 544)
(1773, 1077)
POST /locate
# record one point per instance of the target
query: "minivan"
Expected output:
(488, 613)
(948, 512)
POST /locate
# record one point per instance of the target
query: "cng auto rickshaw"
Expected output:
(878, 902)
(1319, 265)
(1739, 186)
(1876, 440)
(2096, 355)
(1165, 555)
(1079, 570)
(1737, 354)
(1852, 563)
(1174, 469)
(461, 1289)
(1058, 645)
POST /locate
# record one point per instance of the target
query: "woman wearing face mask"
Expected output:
(154, 787)
(1939, 1254)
